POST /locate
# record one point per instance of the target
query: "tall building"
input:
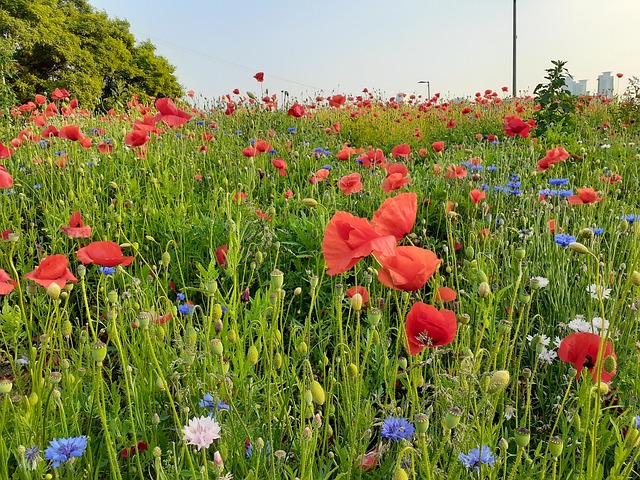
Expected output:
(576, 88)
(605, 84)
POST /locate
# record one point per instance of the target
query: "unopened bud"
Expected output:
(252, 355)
(520, 253)
(635, 278)
(484, 290)
(352, 370)
(499, 381)
(317, 393)
(356, 302)
(586, 233)
(579, 248)
(166, 259)
(610, 364)
(53, 290)
(309, 202)
(216, 347)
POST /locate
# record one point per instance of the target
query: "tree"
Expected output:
(68, 44)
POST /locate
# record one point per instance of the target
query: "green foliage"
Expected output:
(557, 104)
(68, 44)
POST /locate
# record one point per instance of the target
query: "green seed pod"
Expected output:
(400, 474)
(67, 328)
(277, 360)
(452, 418)
(484, 290)
(190, 336)
(520, 253)
(160, 332)
(352, 370)
(6, 384)
(309, 202)
(469, 252)
(216, 347)
(610, 364)
(481, 276)
(555, 446)
(422, 423)
(308, 397)
(277, 279)
(99, 351)
(317, 393)
(523, 437)
(302, 348)
(253, 355)
(53, 291)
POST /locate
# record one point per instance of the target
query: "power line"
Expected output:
(212, 58)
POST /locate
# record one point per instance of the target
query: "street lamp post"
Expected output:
(514, 51)
(428, 87)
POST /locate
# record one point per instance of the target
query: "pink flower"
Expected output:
(201, 432)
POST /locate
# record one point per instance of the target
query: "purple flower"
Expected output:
(476, 457)
(397, 429)
(64, 449)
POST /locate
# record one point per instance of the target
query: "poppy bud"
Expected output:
(499, 380)
(600, 389)
(277, 360)
(579, 248)
(481, 276)
(313, 281)
(297, 291)
(356, 302)
(67, 328)
(555, 446)
(624, 226)
(112, 296)
(400, 474)
(308, 397)
(307, 433)
(309, 202)
(352, 370)
(216, 347)
(246, 295)
(484, 290)
(635, 278)
(232, 336)
(523, 436)
(402, 363)
(586, 233)
(190, 336)
(53, 291)
(302, 348)
(317, 393)
(452, 418)
(166, 259)
(469, 253)
(252, 355)
(610, 364)
(217, 461)
(503, 444)
(259, 257)
(55, 377)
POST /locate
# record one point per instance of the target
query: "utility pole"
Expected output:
(514, 91)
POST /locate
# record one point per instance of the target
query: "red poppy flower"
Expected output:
(373, 157)
(402, 150)
(259, 76)
(437, 146)
(131, 451)
(429, 327)
(231, 107)
(76, 228)
(4, 235)
(239, 197)
(555, 155)
(296, 111)
(221, 254)
(514, 126)
(70, 132)
(455, 172)
(50, 131)
(321, 174)
(619, 75)
(392, 168)
(396, 216)
(263, 146)
(136, 138)
(5, 152)
(105, 254)
(348, 239)
(288, 194)
(60, 94)
(394, 182)
(85, 142)
(104, 147)
(368, 461)
(345, 153)
(350, 184)
(169, 113)
(280, 164)
(52, 269)
(40, 99)
(615, 178)
(361, 290)
(7, 284)
(581, 350)
(585, 195)
(6, 180)
(477, 195)
(263, 215)
(336, 100)
(409, 269)
(445, 294)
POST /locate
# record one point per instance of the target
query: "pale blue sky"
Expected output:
(459, 46)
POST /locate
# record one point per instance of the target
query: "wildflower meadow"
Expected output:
(350, 287)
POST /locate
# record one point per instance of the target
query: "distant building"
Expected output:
(605, 84)
(576, 88)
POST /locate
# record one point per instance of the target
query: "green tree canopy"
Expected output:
(50, 44)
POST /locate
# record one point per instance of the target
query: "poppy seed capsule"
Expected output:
(421, 421)
(277, 279)
(6, 384)
(452, 418)
(555, 446)
(520, 253)
(523, 436)
(99, 351)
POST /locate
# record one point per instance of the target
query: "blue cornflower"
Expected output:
(318, 150)
(201, 122)
(252, 141)
(185, 309)
(224, 309)
(292, 130)
(495, 142)
(514, 184)
(89, 164)
(273, 151)
(565, 193)
(637, 421)
(477, 168)
(43, 144)
(209, 403)
(37, 186)
(248, 449)
(630, 218)
(597, 231)
(179, 135)
(64, 449)
(466, 164)
(60, 152)
(558, 181)
(492, 168)
(32, 457)
(180, 296)
(498, 188)
(515, 191)
(238, 132)
(499, 221)
(545, 191)
(327, 167)
(564, 239)
(514, 177)
(484, 187)
(476, 457)
(107, 270)
(397, 428)
(328, 153)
